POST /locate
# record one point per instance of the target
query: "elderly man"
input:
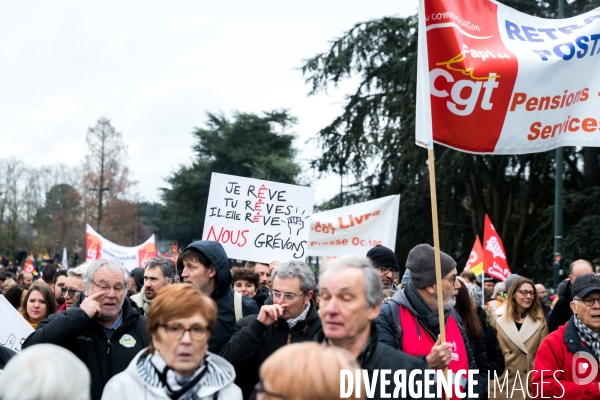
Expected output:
(565, 355)
(206, 266)
(410, 322)
(103, 329)
(25, 278)
(292, 318)
(561, 313)
(384, 260)
(351, 295)
(159, 272)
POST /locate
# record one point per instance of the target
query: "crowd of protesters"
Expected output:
(198, 329)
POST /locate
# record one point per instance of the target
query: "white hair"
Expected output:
(79, 271)
(111, 265)
(373, 287)
(39, 372)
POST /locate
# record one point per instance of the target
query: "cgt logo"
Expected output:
(585, 368)
(464, 93)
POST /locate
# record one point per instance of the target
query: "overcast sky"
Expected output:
(154, 68)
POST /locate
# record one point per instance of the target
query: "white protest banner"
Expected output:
(258, 220)
(13, 327)
(493, 80)
(355, 228)
(97, 247)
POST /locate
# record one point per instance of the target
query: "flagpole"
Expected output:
(436, 245)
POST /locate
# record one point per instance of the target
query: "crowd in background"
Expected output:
(199, 329)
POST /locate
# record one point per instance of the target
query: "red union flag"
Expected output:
(493, 80)
(494, 256)
(475, 261)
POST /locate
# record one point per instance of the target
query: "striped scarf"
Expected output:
(149, 367)
(588, 336)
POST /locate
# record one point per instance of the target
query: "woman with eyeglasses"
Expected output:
(314, 374)
(38, 304)
(177, 364)
(521, 328)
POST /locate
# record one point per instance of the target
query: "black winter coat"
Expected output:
(561, 313)
(5, 355)
(386, 328)
(86, 338)
(492, 346)
(378, 356)
(253, 342)
(223, 294)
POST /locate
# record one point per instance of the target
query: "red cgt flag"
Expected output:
(475, 262)
(494, 256)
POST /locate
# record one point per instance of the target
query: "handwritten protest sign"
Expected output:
(356, 228)
(13, 327)
(258, 220)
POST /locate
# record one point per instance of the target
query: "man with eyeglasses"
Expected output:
(292, 318)
(386, 263)
(102, 327)
(410, 320)
(566, 363)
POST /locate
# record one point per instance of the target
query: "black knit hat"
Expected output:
(421, 263)
(381, 256)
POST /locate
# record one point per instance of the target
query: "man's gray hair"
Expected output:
(296, 269)
(111, 265)
(38, 372)
(373, 287)
(166, 265)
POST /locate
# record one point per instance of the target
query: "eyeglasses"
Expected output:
(72, 292)
(452, 279)
(275, 295)
(526, 293)
(261, 393)
(589, 301)
(106, 288)
(176, 331)
(386, 270)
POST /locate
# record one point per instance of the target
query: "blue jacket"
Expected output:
(223, 294)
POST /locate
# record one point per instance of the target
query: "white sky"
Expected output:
(155, 67)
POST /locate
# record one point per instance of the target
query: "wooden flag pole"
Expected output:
(436, 246)
(436, 249)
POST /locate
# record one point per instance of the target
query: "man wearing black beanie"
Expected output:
(385, 262)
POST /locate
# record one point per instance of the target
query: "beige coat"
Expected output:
(519, 348)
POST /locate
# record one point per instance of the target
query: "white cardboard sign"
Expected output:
(356, 228)
(258, 220)
(13, 327)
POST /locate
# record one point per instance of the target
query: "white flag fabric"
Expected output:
(65, 260)
(355, 229)
(492, 80)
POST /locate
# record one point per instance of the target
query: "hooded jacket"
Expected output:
(217, 384)
(223, 294)
(391, 334)
(253, 342)
(87, 339)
